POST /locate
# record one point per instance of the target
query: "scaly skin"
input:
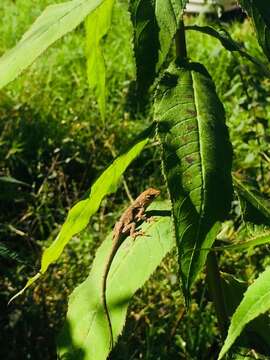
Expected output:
(123, 228)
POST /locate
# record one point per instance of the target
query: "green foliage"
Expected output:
(97, 26)
(186, 93)
(7, 253)
(255, 333)
(254, 199)
(196, 160)
(259, 239)
(260, 13)
(53, 23)
(86, 334)
(256, 301)
(226, 40)
(155, 23)
(80, 214)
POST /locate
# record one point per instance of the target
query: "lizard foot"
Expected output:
(150, 219)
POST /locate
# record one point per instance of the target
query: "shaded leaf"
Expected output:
(155, 23)
(97, 26)
(255, 334)
(11, 189)
(7, 253)
(51, 25)
(259, 11)
(80, 214)
(86, 334)
(226, 40)
(256, 301)
(242, 354)
(254, 198)
(261, 239)
(196, 161)
(11, 180)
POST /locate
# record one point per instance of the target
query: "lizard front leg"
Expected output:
(131, 229)
(141, 214)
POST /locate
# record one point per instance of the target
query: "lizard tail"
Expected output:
(104, 297)
(107, 314)
(116, 244)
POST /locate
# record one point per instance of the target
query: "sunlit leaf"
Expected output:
(97, 26)
(51, 25)
(80, 214)
(86, 334)
(196, 161)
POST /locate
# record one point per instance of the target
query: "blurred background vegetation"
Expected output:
(54, 144)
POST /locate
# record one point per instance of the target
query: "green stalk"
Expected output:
(216, 292)
(180, 41)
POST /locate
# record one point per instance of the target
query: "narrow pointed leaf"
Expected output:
(226, 40)
(256, 333)
(259, 11)
(11, 180)
(97, 26)
(196, 161)
(254, 198)
(51, 25)
(86, 334)
(256, 301)
(80, 214)
(155, 23)
(261, 239)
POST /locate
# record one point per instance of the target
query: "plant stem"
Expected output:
(215, 289)
(180, 41)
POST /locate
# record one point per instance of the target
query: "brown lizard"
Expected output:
(126, 226)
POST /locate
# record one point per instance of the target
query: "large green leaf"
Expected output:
(97, 26)
(51, 25)
(155, 23)
(256, 301)
(80, 214)
(86, 334)
(196, 161)
(226, 40)
(259, 11)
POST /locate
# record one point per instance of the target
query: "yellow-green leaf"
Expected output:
(86, 334)
(80, 214)
(97, 25)
(51, 25)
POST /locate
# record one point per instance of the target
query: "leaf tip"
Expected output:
(29, 283)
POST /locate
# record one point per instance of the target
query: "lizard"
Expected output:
(124, 227)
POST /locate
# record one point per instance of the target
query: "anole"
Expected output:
(124, 227)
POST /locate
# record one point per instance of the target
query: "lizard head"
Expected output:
(150, 195)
